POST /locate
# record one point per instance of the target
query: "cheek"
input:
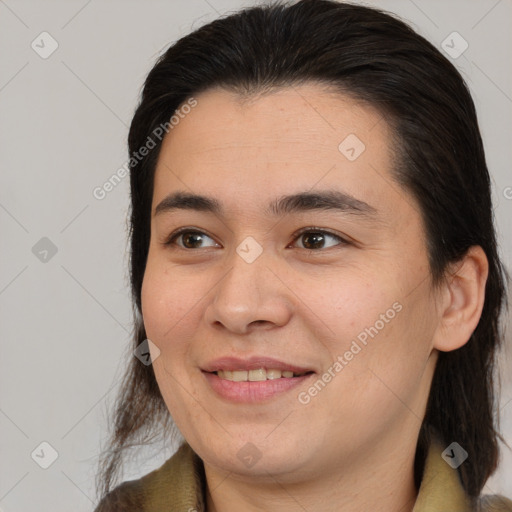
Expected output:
(376, 328)
(355, 307)
(169, 309)
(168, 301)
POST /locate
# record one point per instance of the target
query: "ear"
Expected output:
(462, 300)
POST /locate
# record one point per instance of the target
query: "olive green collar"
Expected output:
(440, 488)
(179, 484)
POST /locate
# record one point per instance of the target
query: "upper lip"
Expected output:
(253, 363)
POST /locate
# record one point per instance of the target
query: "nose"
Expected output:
(250, 296)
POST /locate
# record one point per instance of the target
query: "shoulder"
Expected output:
(126, 496)
(177, 481)
(494, 503)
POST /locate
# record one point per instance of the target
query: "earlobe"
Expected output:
(464, 293)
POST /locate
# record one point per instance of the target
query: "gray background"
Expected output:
(65, 317)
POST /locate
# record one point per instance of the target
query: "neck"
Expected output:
(381, 480)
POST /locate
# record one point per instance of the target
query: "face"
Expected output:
(292, 304)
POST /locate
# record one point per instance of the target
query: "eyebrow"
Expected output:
(295, 203)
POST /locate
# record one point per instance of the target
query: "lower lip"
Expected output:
(250, 392)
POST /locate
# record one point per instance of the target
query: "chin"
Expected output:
(249, 456)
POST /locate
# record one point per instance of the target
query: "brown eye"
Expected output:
(190, 239)
(319, 239)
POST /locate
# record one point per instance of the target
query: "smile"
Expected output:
(254, 386)
(257, 375)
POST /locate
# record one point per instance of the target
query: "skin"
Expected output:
(352, 446)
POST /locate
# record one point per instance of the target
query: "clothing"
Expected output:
(179, 486)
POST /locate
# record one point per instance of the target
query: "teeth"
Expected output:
(257, 375)
(273, 374)
(260, 374)
(240, 376)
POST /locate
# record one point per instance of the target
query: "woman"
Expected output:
(314, 271)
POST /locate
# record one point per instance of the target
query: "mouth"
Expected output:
(258, 375)
(257, 379)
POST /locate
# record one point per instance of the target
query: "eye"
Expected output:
(319, 239)
(190, 239)
(312, 238)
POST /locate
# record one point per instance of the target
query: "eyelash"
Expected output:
(171, 240)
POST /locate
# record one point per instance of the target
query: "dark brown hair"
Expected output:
(374, 57)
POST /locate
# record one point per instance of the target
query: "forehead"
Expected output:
(310, 116)
(289, 139)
